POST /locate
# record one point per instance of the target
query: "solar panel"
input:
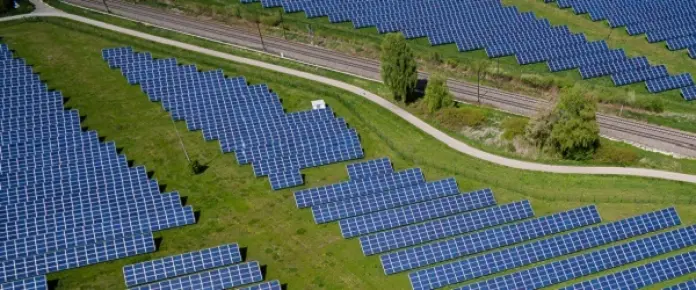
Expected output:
(608, 56)
(689, 93)
(482, 241)
(270, 285)
(76, 257)
(607, 258)
(33, 283)
(328, 212)
(335, 192)
(221, 278)
(688, 285)
(534, 56)
(510, 258)
(369, 168)
(184, 264)
(414, 213)
(444, 227)
(669, 83)
(643, 275)
(692, 52)
(634, 76)
(285, 179)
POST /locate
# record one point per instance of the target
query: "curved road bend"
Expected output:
(46, 11)
(646, 135)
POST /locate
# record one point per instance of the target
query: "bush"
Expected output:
(537, 81)
(616, 155)
(651, 103)
(234, 11)
(437, 95)
(457, 118)
(433, 57)
(452, 63)
(513, 127)
(271, 20)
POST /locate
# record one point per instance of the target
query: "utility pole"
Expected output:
(258, 26)
(282, 25)
(107, 7)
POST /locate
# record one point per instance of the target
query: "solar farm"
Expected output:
(69, 200)
(669, 21)
(247, 120)
(431, 234)
(500, 31)
(421, 227)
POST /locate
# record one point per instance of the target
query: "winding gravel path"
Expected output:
(43, 10)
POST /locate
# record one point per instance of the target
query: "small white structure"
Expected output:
(318, 104)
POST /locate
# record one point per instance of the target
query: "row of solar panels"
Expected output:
(423, 226)
(671, 21)
(66, 199)
(220, 267)
(501, 30)
(247, 120)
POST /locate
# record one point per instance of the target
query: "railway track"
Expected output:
(643, 134)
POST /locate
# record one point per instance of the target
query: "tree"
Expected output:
(437, 95)
(399, 68)
(576, 133)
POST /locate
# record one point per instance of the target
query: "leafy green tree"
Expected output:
(575, 134)
(399, 68)
(437, 95)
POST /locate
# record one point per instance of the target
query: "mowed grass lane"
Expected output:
(236, 207)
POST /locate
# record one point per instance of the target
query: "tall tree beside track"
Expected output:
(437, 95)
(399, 68)
(571, 128)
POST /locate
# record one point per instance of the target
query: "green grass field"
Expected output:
(236, 207)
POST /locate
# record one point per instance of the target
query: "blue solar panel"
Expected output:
(76, 257)
(482, 241)
(688, 285)
(689, 93)
(534, 56)
(608, 56)
(414, 213)
(643, 275)
(669, 83)
(494, 262)
(602, 69)
(369, 168)
(184, 264)
(285, 179)
(634, 76)
(221, 278)
(335, 192)
(328, 212)
(270, 285)
(33, 283)
(692, 52)
(444, 227)
(565, 270)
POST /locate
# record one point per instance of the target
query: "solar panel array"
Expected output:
(68, 200)
(688, 285)
(247, 120)
(666, 20)
(447, 237)
(643, 275)
(219, 267)
(501, 30)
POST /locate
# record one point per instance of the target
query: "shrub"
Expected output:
(614, 154)
(452, 63)
(271, 20)
(457, 118)
(437, 95)
(537, 81)
(513, 127)
(433, 57)
(576, 134)
(651, 103)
